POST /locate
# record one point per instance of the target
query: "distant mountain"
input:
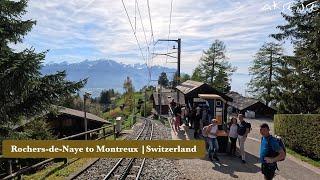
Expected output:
(106, 74)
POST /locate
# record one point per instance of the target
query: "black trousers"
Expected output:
(233, 145)
(268, 170)
(191, 120)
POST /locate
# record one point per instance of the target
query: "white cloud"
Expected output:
(102, 26)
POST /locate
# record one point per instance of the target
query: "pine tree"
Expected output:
(105, 97)
(163, 79)
(129, 92)
(221, 81)
(197, 75)
(184, 78)
(175, 80)
(299, 80)
(263, 71)
(214, 67)
(24, 91)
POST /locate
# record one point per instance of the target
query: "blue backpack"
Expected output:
(281, 144)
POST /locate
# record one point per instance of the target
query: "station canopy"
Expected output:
(211, 96)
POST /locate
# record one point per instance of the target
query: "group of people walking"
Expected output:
(195, 117)
(198, 118)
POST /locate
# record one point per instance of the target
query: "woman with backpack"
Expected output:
(233, 135)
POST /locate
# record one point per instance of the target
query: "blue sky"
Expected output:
(76, 30)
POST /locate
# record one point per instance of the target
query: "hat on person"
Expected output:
(214, 121)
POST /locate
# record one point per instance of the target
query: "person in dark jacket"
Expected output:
(177, 114)
(197, 122)
(192, 115)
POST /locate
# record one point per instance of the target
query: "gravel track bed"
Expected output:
(161, 168)
(153, 168)
(101, 168)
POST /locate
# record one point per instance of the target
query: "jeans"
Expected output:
(242, 140)
(213, 146)
(233, 145)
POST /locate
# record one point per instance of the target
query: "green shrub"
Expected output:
(148, 109)
(300, 132)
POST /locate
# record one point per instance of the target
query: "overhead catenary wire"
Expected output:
(134, 33)
(146, 41)
(169, 31)
(150, 19)
(135, 16)
(153, 42)
(143, 29)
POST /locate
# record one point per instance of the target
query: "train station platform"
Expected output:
(185, 133)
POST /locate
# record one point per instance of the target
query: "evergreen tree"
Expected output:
(197, 75)
(299, 78)
(221, 81)
(175, 80)
(163, 79)
(24, 91)
(184, 78)
(129, 92)
(105, 97)
(263, 71)
(214, 67)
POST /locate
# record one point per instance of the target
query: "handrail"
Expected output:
(172, 116)
(83, 133)
(26, 169)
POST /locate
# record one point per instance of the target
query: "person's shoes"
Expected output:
(216, 158)
(243, 162)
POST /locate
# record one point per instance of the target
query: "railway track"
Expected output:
(131, 168)
(124, 168)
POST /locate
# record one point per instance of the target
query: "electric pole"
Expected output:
(145, 102)
(160, 99)
(85, 97)
(178, 41)
(178, 60)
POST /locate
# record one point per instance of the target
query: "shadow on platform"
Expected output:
(231, 164)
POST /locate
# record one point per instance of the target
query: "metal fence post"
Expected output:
(114, 132)
(65, 160)
(10, 166)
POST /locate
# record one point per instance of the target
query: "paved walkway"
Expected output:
(232, 168)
